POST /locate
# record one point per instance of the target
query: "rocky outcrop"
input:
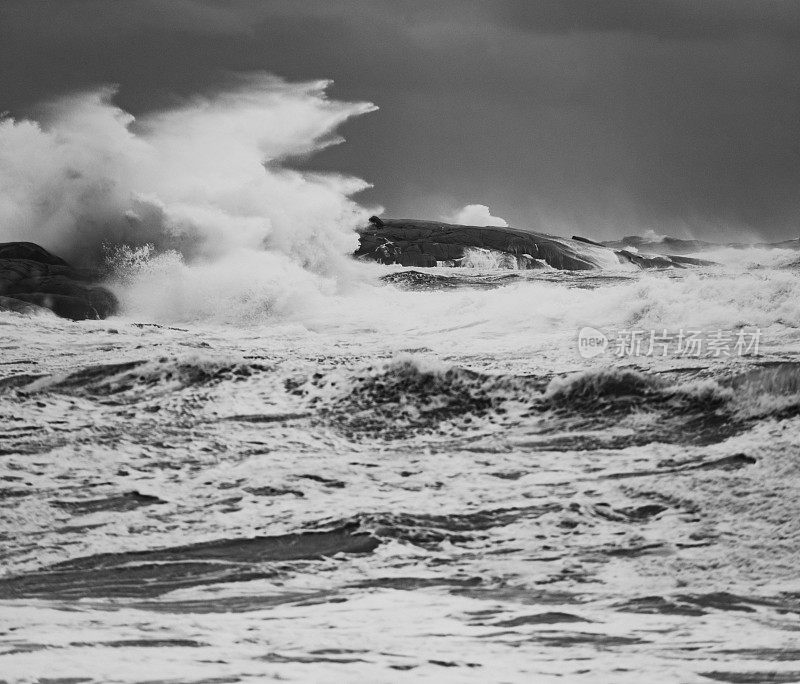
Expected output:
(672, 246)
(663, 246)
(32, 279)
(661, 260)
(429, 243)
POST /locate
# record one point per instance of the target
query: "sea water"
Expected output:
(278, 463)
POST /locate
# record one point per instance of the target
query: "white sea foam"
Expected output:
(745, 258)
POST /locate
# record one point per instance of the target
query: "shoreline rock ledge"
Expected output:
(32, 280)
(416, 243)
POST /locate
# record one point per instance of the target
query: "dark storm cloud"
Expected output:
(674, 19)
(595, 117)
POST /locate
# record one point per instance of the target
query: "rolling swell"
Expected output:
(151, 573)
(770, 391)
(154, 572)
(138, 376)
(407, 398)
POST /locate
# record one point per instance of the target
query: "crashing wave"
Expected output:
(492, 259)
(203, 186)
(595, 385)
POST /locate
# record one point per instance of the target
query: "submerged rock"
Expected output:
(410, 242)
(21, 307)
(32, 279)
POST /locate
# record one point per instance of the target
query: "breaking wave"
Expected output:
(750, 258)
(591, 386)
(532, 314)
(194, 207)
(491, 259)
(410, 396)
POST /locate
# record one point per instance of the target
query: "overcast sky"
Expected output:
(600, 118)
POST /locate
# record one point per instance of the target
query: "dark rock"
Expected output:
(654, 257)
(663, 245)
(587, 241)
(648, 260)
(32, 279)
(662, 260)
(670, 246)
(30, 251)
(424, 243)
(691, 261)
(21, 307)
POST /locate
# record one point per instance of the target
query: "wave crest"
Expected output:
(162, 375)
(410, 396)
(607, 383)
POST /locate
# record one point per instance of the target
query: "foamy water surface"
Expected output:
(412, 480)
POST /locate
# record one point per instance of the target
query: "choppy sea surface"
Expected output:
(415, 479)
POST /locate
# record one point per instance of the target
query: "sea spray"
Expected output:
(201, 186)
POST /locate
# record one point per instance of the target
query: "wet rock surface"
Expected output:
(410, 242)
(32, 280)
(254, 504)
(421, 244)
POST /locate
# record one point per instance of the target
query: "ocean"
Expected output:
(419, 476)
(279, 462)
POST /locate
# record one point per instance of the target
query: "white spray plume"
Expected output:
(203, 178)
(651, 236)
(203, 181)
(476, 215)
